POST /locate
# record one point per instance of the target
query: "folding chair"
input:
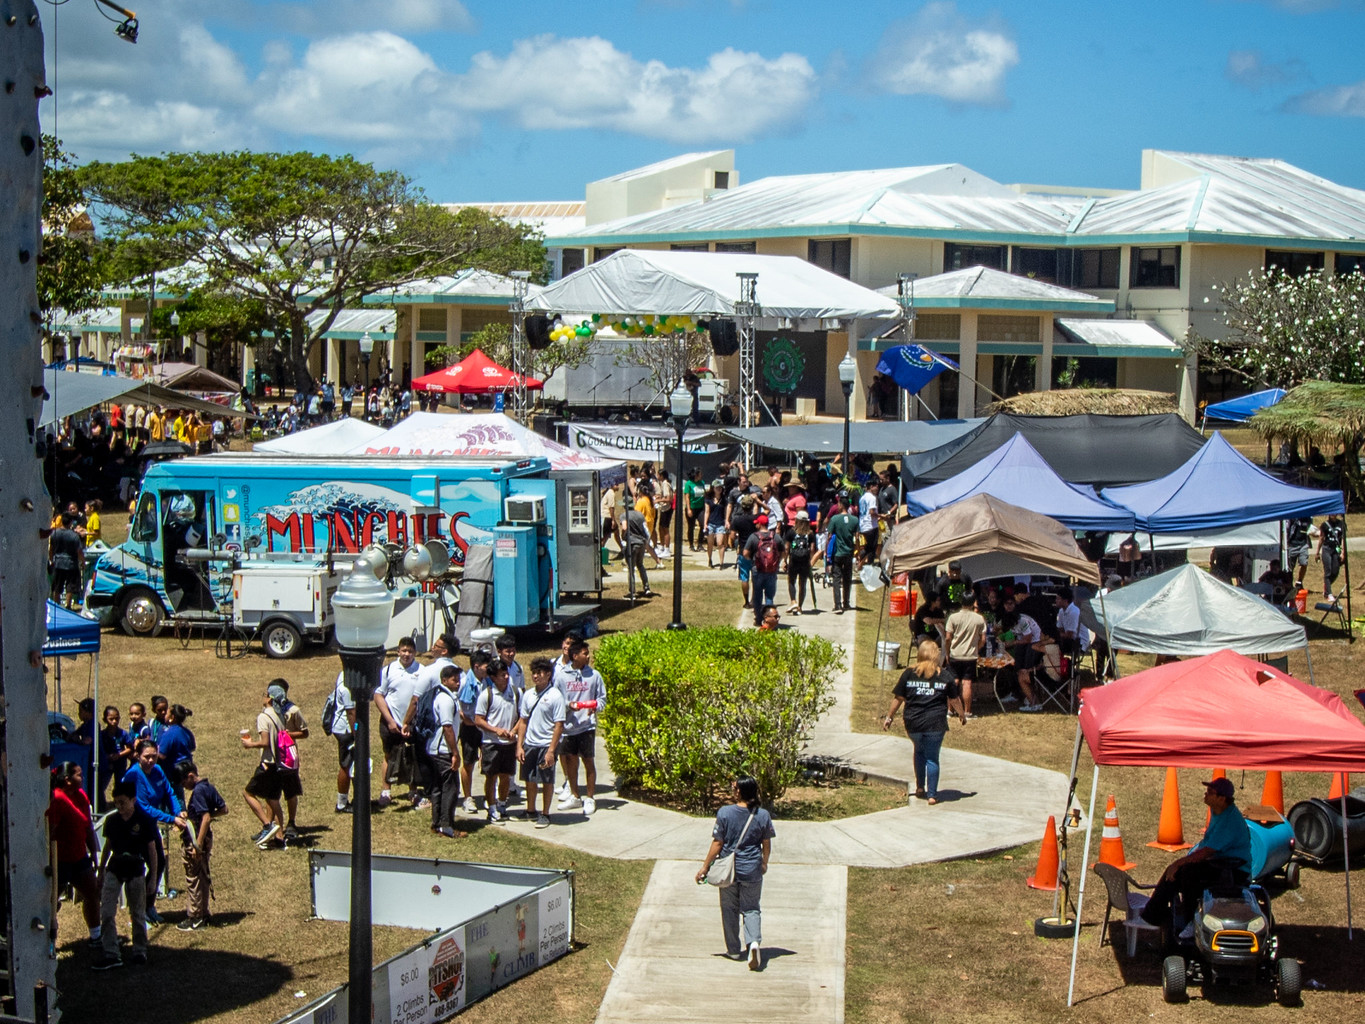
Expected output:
(1129, 904)
(1337, 608)
(1051, 683)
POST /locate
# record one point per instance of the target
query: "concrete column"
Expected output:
(248, 362)
(985, 376)
(414, 346)
(1188, 386)
(1042, 376)
(966, 358)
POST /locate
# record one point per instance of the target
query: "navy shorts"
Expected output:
(531, 770)
(499, 759)
(579, 744)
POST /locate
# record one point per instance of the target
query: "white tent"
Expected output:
(1187, 612)
(641, 282)
(484, 435)
(329, 439)
(1252, 535)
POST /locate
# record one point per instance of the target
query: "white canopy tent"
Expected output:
(1250, 535)
(642, 282)
(329, 439)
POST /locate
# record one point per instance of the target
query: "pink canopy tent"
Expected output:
(475, 374)
(1222, 710)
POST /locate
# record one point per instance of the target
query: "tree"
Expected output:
(298, 232)
(669, 358)
(1284, 330)
(70, 271)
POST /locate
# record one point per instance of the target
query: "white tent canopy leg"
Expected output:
(1080, 896)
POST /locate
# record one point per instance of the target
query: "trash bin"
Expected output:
(888, 654)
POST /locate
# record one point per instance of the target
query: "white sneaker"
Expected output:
(470, 806)
(755, 957)
(564, 788)
(589, 806)
(567, 801)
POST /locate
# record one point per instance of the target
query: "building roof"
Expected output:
(104, 320)
(1114, 338)
(467, 287)
(1234, 200)
(663, 165)
(350, 324)
(984, 288)
(549, 217)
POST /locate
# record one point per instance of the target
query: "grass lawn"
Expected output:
(961, 939)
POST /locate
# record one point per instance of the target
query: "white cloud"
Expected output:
(365, 88)
(939, 53)
(1333, 101)
(547, 82)
(107, 125)
(1250, 69)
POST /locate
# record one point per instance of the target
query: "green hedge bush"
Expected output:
(689, 710)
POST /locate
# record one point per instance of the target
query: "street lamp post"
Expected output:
(680, 405)
(362, 607)
(366, 350)
(848, 373)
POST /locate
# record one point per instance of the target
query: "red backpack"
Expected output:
(766, 558)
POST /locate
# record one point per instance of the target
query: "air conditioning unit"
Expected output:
(523, 510)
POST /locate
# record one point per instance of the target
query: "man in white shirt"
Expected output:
(496, 715)
(868, 519)
(1071, 632)
(538, 737)
(585, 694)
(471, 739)
(399, 687)
(443, 753)
(342, 726)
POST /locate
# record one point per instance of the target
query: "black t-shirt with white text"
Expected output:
(926, 700)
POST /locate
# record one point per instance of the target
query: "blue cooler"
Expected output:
(1272, 844)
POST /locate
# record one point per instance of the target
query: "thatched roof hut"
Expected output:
(1317, 412)
(1095, 401)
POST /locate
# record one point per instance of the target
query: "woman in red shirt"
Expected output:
(69, 826)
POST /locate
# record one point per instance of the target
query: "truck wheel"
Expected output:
(141, 613)
(1288, 981)
(281, 640)
(1291, 874)
(1173, 979)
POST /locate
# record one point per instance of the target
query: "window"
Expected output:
(1155, 268)
(832, 254)
(690, 247)
(1095, 268)
(431, 320)
(960, 257)
(736, 247)
(1294, 263)
(144, 520)
(1039, 264)
(722, 179)
(1350, 262)
(571, 260)
(938, 327)
(993, 327)
(600, 254)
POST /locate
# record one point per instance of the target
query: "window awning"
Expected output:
(1133, 339)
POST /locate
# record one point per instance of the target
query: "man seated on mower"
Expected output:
(1223, 857)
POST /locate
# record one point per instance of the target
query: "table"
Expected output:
(994, 665)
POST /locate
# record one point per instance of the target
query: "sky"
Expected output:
(531, 99)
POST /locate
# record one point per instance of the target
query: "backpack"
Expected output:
(424, 722)
(766, 558)
(801, 545)
(286, 750)
(329, 710)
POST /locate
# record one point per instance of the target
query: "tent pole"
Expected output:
(1346, 566)
(1080, 896)
(881, 618)
(1346, 855)
(1307, 654)
(95, 761)
(1108, 649)
(1066, 811)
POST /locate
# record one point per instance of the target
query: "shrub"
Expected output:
(689, 711)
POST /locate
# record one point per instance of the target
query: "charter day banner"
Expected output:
(636, 442)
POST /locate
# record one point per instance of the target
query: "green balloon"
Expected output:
(649, 328)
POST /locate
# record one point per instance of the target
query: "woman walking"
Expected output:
(927, 689)
(803, 552)
(746, 830)
(715, 524)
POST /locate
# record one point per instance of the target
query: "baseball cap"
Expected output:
(803, 514)
(1222, 787)
(955, 565)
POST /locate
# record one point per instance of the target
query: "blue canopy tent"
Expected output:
(1239, 410)
(68, 635)
(1016, 473)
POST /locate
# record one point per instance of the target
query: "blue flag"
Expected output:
(913, 366)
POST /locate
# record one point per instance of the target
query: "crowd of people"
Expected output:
(384, 403)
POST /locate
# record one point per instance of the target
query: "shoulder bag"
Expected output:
(722, 873)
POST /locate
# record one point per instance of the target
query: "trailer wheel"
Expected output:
(281, 640)
(1173, 979)
(141, 613)
(1291, 874)
(1288, 981)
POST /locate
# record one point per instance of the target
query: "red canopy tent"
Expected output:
(475, 374)
(1222, 710)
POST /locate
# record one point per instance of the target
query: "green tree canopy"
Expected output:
(295, 232)
(1284, 330)
(70, 272)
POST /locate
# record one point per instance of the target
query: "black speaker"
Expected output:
(724, 337)
(537, 328)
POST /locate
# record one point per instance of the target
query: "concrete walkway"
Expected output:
(672, 970)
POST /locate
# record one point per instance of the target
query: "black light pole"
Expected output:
(680, 405)
(362, 606)
(848, 373)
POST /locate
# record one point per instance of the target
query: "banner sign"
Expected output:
(636, 442)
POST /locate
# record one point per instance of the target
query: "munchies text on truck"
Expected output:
(289, 508)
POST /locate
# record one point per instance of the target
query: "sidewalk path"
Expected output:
(671, 969)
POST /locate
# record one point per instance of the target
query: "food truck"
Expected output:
(200, 523)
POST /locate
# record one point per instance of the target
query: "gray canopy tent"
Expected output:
(72, 393)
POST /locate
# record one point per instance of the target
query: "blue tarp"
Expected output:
(1016, 473)
(1219, 487)
(69, 633)
(1239, 410)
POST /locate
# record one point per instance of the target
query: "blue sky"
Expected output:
(527, 99)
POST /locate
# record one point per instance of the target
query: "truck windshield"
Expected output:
(144, 519)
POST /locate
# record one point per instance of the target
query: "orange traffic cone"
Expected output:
(1218, 773)
(1170, 832)
(1341, 786)
(1111, 841)
(1272, 793)
(1045, 874)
